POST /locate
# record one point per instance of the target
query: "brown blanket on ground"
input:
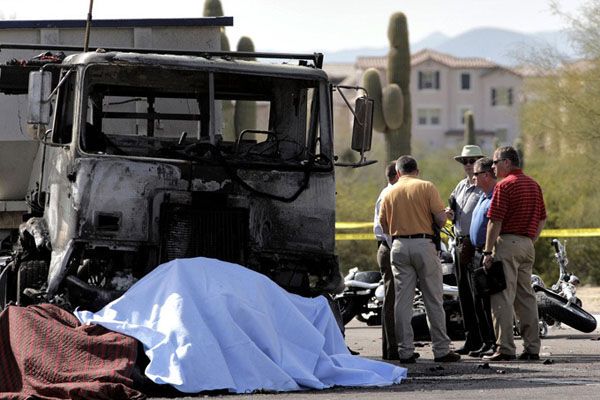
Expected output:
(45, 352)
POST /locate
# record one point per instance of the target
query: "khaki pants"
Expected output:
(412, 259)
(517, 255)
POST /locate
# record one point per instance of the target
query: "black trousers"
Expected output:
(482, 305)
(465, 252)
(389, 344)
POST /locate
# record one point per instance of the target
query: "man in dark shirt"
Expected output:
(517, 215)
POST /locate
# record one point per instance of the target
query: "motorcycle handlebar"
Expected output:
(555, 244)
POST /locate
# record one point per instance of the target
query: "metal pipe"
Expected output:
(317, 58)
(88, 25)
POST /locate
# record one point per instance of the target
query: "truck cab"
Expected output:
(148, 157)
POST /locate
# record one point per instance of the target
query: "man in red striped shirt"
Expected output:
(517, 215)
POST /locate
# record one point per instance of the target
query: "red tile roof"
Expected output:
(428, 54)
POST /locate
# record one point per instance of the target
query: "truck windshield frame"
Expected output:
(160, 112)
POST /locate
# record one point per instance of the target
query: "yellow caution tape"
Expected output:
(353, 225)
(573, 232)
(576, 232)
(354, 236)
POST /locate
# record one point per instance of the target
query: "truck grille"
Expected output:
(215, 233)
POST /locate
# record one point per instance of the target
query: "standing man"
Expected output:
(407, 213)
(384, 242)
(463, 200)
(517, 215)
(485, 180)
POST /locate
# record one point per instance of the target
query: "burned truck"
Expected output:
(135, 169)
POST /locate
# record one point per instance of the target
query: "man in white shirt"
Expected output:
(384, 243)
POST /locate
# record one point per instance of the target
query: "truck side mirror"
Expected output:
(362, 129)
(40, 89)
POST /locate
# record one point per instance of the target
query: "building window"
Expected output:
(465, 81)
(429, 80)
(428, 116)
(502, 96)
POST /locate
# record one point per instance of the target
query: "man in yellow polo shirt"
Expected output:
(407, 213)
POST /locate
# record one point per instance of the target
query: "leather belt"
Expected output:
(415, 236)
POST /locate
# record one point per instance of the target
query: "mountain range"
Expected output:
(502, 46)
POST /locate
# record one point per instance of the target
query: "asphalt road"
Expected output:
(569, 369)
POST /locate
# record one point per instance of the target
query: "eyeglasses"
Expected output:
(479, 173)
(466, 161)
(498, 160)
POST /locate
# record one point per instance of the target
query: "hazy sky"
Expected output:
(316, 25)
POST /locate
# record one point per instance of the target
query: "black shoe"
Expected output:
(354, 353)
(489, 352)
(410, 360)
(452, 356)
(525, 356)
(388, 356)
(484, 349)
(497, 356)
(465, 349)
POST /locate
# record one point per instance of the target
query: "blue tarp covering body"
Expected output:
(207, 324)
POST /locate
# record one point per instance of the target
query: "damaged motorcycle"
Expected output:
(559, 303)
(363, 295)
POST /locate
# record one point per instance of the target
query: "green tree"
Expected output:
(561, 140)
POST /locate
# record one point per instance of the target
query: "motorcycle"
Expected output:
(364, 291)
(559, 303)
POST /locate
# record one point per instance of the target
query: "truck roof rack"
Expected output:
(316, 58)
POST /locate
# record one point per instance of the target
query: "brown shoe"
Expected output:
(450, 357)
(497, 356)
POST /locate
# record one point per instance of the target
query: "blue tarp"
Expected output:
(207, 324)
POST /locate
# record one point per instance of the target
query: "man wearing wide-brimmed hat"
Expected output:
(462, 201)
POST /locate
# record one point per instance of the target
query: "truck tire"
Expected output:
(554, 306)
(31, 274)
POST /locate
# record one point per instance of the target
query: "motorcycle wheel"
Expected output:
(349, 308)
(454, 320)
(419, 325)
(555, 307)
(361, 317)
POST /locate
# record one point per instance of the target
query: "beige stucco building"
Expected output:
(444, 87)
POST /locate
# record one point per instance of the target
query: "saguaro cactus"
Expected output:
(212, 8)
(245, 111)
(469, 134)
(392, 114)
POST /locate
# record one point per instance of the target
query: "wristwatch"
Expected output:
(486, 253)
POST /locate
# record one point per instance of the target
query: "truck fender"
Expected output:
(58, 268)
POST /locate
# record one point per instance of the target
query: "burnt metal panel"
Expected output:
(188, 231)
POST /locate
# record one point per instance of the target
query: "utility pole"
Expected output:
(88, 25)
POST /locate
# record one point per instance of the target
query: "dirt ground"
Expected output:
(590, 298)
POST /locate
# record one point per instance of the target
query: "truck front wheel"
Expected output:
(32, 275)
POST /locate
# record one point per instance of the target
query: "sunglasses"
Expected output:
(479, 173)
(498, 160)
(466, 161)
